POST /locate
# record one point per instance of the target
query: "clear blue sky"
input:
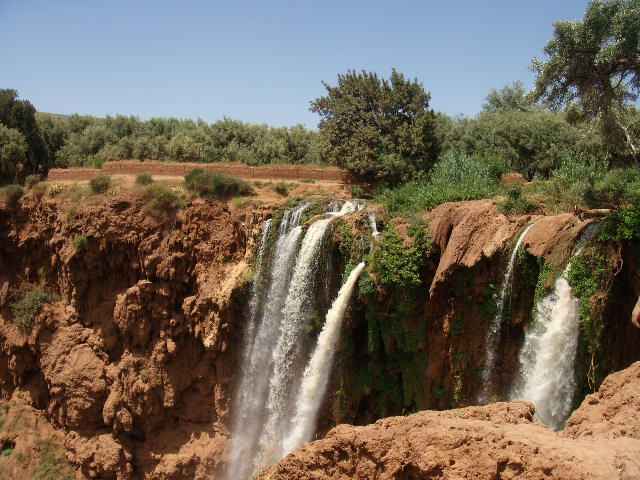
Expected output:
(262, 61)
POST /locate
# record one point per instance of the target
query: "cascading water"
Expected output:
(494, 333)
(273, 346)
(287, 352)
(316, 375)
(256, 360)
(547, 358)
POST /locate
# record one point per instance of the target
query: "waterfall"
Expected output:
(373, 225)
(287, 352)
(273, 353)
(256, 359)
(494, 333)
(316, 375)
(547, 358)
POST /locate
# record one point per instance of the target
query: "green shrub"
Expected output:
(281, 189)
(100, 184)
(215, 185)
(31, 181)
(454, 178)
(25, 310)
(144, 179)
(516, 203)
(623, 224)
(396, 264)
(12, 195)
(161, 200)
(80, 243)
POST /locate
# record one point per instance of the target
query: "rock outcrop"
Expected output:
(500, 441)
(130, 359)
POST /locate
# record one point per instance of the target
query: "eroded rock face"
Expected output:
(497, 441)
(131, 361)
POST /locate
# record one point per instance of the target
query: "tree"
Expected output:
(13, 153)
(21, 115)
(511, 98)
(596, 64)
(380, 130)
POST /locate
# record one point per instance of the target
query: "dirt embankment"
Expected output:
(169, 169)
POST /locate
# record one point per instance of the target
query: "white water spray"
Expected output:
(547, 358)
(494, 333)
(316, 375)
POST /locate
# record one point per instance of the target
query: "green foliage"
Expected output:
(161, 200)
(144, 179)
(516, 203)
(52, 464)
(80, 243)
(590, 275)
(79, 140)
(12, 195)
(20, 116)
(215, 185)
(623, 224)
(589, 184)
(397, 264)
(379, 130)
(544, 285)
(511, 98)
(281, 188)
(13, 153)
(100, 184)
(532, 143)
(28, 306)
(455, 177)
(595, 63)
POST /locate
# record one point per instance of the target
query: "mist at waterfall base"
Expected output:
(273, 385)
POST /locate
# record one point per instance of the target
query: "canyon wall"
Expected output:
(129, 368)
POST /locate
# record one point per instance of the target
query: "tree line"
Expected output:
(583, 108)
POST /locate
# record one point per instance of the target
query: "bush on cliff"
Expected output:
(215, 185)
(161, 200)
(28, 306)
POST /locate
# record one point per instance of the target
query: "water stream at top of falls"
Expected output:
(547, 357)
(494, 332)
(273, 354)
(317, 372)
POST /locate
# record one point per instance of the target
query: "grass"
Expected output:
(80, 243)
(455, 177)
(28, 306)
(216, 185)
